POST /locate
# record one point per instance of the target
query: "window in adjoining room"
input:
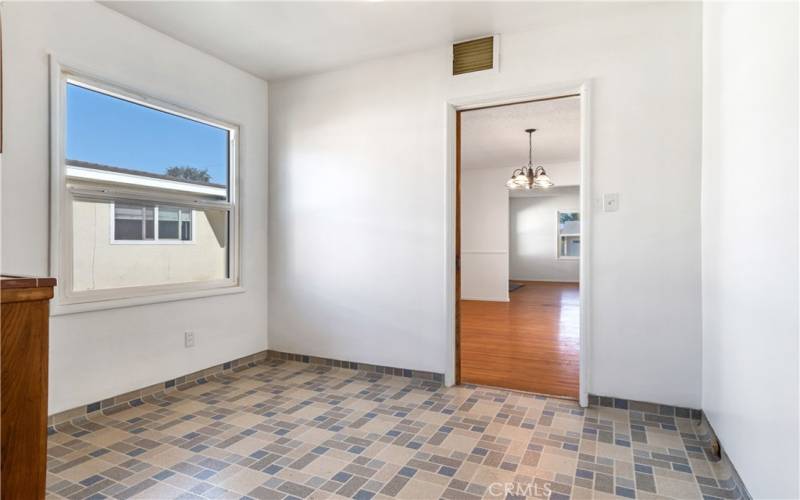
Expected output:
(569, 235)
(147, 196)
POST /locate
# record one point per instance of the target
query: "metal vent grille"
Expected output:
(473, 55)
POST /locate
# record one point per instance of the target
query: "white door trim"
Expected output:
(583, 88)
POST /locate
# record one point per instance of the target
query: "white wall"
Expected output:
(750, 240)
(101, 354)
(484, 234)
(357, 199)
(534, 237)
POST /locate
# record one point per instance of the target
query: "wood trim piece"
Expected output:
(24, 355)
(458, 247)
(8, 282)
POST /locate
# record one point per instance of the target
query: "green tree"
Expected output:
(189, 173)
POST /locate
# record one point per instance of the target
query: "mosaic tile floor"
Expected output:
(293, 430)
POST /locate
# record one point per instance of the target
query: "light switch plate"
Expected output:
(610, 202)
(188, 339)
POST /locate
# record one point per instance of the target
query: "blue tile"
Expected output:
(447, 471)
(584, 474)
(273, 469)
(226, 366)
(371, 415)
(169, 383)
(248, 432)
(625, 492)
(571, 447)
(281, 432)
(258, 454)
(621, 403)
(407, 472)
(199, 448)
(138, 430)
(98, 453)
(91, 480)
(136, 402)
(190, 435)
(97, 496)
(80, 434)
(356, 449)
(163, 475)
(480, 451)
(682, 468)
(136, 452)
(646, 469)
(320, 418)
(342, 477)
(363, 495)
(204, 474)
(478, 428)
(622, 442)
(319, 450)
(445, 429)
(393, 433)
(414, 445)
(92, 407)
(406, 373)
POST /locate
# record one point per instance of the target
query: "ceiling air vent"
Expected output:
(479, 54)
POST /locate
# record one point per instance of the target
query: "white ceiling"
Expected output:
(495, 137)
(276, 40)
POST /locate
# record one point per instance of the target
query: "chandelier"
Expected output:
(528, 177)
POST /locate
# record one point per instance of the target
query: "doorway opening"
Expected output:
(520, 247)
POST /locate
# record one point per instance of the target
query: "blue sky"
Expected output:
(111, 131)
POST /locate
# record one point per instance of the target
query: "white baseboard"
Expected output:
(544, 280)
(487, 299)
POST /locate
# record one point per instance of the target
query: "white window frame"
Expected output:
(559, 235)
(156, 240)
(66, 299)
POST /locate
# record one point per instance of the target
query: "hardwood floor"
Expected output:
(530, 343)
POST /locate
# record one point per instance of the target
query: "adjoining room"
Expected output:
(520, 245)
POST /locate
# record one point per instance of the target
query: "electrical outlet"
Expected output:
(188, 339)
(610, 202)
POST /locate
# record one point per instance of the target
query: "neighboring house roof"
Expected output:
(109, 168)
(106, 174)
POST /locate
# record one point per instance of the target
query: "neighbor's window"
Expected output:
(134, 222)
(148, 196)
(569, 235)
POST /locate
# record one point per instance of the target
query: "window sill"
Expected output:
(62, 309)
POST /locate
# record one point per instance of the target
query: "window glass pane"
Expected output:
(167, 223)
(110, 134)
(99, 263)
(186, 225)
(149, 218)
(117, 146)
(569, 229)
(128, 222)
